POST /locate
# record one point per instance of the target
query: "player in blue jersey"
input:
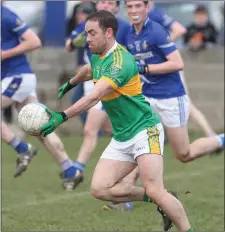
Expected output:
(96, 117)
(176, 32)
(19, 86)
(159, 63)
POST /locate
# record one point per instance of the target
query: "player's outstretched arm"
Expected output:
(30, 42)
(177, 31)
(85, 74)
(101, 89)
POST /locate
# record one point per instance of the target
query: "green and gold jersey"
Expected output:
(126, 107)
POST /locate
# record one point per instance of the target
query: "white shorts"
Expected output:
(173, 112)
(88, 87)
(19, 87)
(148, 141)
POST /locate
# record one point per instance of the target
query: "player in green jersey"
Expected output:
(138, 135)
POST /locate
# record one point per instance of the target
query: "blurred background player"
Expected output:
(19, 87)
(177, 31)
(96, 117)
(160, 62)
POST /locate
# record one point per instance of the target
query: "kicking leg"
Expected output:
(186, 152)
(126, 206)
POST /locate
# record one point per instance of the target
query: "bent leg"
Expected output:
(186, 152)
(107, 185)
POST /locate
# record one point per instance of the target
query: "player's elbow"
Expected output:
(180, 65)
(183, 31)
(36, 43)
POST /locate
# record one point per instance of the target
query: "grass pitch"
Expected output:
(36, 201)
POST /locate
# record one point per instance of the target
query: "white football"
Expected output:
(32, 117)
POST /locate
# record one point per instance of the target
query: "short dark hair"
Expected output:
(201, 9)
(145, 2)
(105, 19)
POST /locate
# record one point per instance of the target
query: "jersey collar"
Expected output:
(110, 51)
(144, 26)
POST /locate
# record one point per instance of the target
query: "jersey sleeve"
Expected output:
(15, 24)
(162, 41)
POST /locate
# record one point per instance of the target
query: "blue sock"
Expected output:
(130, 205)
(19, 145)
(79, 166)
(221, 140)
(68, 169)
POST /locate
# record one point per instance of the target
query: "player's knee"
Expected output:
(54, 141)
(154, 193)
(89, 132)
(183, 157)
(99, 192)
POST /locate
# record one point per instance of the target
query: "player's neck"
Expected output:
(138, 28)
(109, 46)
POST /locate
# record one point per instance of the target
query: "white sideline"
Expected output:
(55, 198)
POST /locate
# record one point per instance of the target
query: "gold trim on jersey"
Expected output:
(117, 57)
(132, 88)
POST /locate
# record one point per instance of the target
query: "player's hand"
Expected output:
(143, 69)
(65, 88)
(79, 41)
(68, 46)
(56, 119)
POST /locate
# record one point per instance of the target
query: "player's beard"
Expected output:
(101, 49)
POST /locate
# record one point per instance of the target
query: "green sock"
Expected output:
(147, 199)
(190, 230)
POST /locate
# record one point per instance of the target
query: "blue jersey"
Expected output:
(123, 30)
(160, 17)
(151, 46)
(12, 28)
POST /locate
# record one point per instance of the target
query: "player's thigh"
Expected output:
(115, 163)
(94, 120)
(149, 157)
(108, 172)
(178, 139)
(151, 172)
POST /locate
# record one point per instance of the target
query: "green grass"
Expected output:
(36, 201)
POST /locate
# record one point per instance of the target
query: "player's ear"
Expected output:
(109, 32)
(148, 6)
